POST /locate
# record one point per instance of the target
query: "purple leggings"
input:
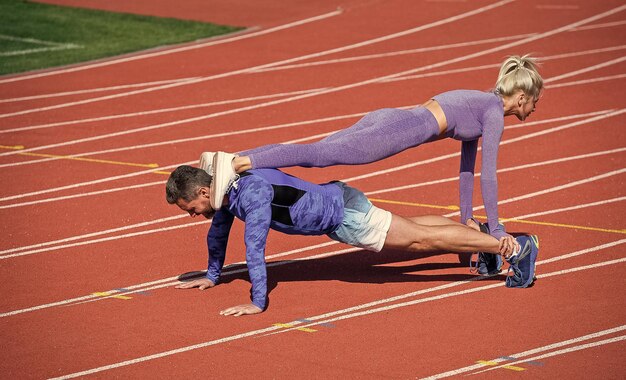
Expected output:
(378, 135)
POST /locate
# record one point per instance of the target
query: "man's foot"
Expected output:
(223, 177)
(523, 262)
(206, 162)
(488, 264)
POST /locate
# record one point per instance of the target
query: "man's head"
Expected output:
(189, 188)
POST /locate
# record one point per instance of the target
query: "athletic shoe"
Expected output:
(206, 162)
(523, 262)
(488, 264)
(223, 177)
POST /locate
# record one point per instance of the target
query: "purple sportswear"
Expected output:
(470, 114)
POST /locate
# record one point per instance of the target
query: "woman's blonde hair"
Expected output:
(519, 73)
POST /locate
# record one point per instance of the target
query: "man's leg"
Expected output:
(439, 235)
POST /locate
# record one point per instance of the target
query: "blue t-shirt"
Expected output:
(269, 198)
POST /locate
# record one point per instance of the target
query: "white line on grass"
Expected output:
(211, 42)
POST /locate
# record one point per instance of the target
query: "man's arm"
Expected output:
(217, 240)
(255, 206)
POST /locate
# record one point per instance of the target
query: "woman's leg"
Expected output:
(378, 135)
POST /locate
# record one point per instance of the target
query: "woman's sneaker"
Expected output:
(223, 177)
(206, 162)
(523, 262)
(488, 264)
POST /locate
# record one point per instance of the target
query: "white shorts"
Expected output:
(364, 225)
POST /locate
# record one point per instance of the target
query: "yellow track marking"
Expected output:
(513, 220)
(511, 367)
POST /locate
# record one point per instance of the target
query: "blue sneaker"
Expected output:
(523, 263)
(488, 264)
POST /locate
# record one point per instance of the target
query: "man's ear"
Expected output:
(204, 192)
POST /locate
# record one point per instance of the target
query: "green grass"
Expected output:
(80, 35)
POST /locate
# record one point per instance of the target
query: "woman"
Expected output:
(464, 115)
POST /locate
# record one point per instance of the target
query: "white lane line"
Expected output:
(101, 240)
(552, 189)
(497, 65)
(586, 81)
(526, 166)
(172, 109)
(384, 171)
(603, 25)
(395, 53)
(503, 170)
(199, 118)
(159, 283)
(530, 352)
(92, 234)
(596, 26)
(587, 69)
(564, 209)
(341, 314)
(558, 352)
(87, 91)
(160, 110)
(249, 69)
(96, 181)
(209, 42)
(89, 194)
(275, 328)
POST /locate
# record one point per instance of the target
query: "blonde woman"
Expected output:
(464, 115)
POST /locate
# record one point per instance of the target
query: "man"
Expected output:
(269, 198)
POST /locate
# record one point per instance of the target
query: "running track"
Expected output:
(91, 251)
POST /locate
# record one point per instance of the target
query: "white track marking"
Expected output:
(101, 240)
(172, 109)
(503, 170)
(585, 81)
(571, 208)
(604, 25)
(169, 124)
(87, 91)
(275, 328)
(92, 234)
(149, 285)
(384, 171)
(552, 189)
(394, 53)
(211, 42)
(558, 352)
(96, 181)
(530, 352)
(247, 70)
(74, 196)
(337, 315)
(160, 110)
(587, 69)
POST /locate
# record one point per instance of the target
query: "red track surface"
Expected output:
(58, 253)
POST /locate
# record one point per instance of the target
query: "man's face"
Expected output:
(200, 205)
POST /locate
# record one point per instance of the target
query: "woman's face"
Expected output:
(526, 106)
